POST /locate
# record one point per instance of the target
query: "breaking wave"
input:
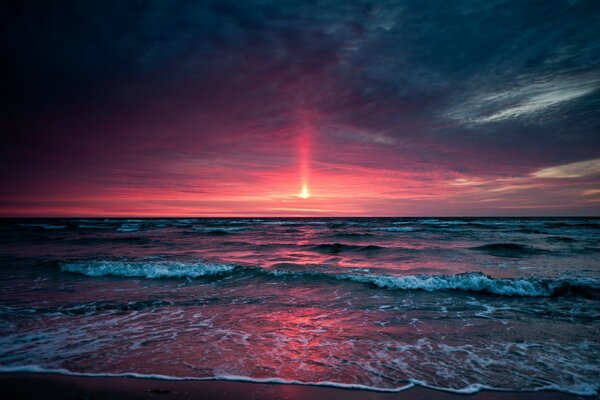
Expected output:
(467, 282)
(161, 269)
(478, 282)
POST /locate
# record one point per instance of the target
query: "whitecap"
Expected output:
(155, 269)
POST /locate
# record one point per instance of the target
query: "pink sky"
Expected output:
(379, 109)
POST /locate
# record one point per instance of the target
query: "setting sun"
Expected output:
(304, 193)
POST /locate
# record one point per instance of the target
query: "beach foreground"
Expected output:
(55, 386)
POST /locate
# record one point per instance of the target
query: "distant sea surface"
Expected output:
(458, 304)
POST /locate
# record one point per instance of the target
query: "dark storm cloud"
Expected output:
(516, 78)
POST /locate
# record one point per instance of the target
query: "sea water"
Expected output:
(457, 304)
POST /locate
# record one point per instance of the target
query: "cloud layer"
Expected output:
(226, 108)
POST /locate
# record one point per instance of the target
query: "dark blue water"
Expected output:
(384, 303)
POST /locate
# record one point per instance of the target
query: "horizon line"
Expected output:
(296, 216)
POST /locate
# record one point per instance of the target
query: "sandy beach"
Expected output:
(54, 386)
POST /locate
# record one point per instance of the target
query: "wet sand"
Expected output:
(54, 386)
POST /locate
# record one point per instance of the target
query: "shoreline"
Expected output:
(28, 385)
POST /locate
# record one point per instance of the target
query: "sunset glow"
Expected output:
(300, 199)
(232, 121)
(304, 193)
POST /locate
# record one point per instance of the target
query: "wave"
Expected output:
(573, 224)
(161, 269)
(215, 232)
(576, 389)
(218, 231)
(113, 239)
(509, 249)
(395, 229)
(561, 239)
(479, 282)
(467, 282)
(94, 226)
(531, 231)
(102, 305)
(291, 222)
(352, 235)
(339, 247)
(129, 228)
(476, 282)
(44, 226)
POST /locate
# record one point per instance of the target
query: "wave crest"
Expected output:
(467, 282)
(154, 269)
(509, 249)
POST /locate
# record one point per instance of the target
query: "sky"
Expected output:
(300, 108)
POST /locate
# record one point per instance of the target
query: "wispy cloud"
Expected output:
(536, 103)
(572, 170)
(522, 101)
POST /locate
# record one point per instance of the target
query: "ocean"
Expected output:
(455, 304)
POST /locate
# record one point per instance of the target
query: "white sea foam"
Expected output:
(580, 389)
(234, 378)
(470, 282)
(475, 282)
(129, 228)
(221, 377)
(154, 269)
